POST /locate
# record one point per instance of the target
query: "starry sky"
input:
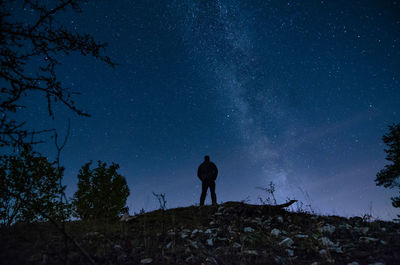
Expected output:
(294, 92)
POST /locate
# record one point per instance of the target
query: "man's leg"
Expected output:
(204, 187)
(213, 195)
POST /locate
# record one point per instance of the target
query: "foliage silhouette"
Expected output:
(30, 51)
(30, 189)
(101, 194)
(389, 177)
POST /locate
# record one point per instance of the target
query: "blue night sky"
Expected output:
(294, 92)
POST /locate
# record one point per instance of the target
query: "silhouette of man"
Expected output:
(207, 173)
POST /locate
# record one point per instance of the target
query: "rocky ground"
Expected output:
(231, 233)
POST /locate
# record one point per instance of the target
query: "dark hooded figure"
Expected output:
(207, 173)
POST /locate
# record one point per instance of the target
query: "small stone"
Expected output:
(125, 217)
(339, 250)
(248, 229)
(183, 235)
(211, 261)
(287, 242)
(222, 238)
(345, 226)
(146, 261)
(212, 223)
(210, 242)
(236, 245)
(383, 229)
(315, 263)
(383, 242)
(301, 236)
(280, 219)
(323, 253)
(208, 231)
(327, 229)
(250, 252)
(169, 245)
(367, 240)
(290, 252)
(353, 263)
(275, 232)
(194, 244)
(327, 242)
(364, 230)
(195, 231)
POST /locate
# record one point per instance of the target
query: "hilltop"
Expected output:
(230, 233)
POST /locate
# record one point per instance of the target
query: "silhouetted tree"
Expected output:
(32, 42)
(101, 194)
(389, 177)
(29, 188)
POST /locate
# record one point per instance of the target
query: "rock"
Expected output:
(353, 263)
(208, 231)
(345, 226)
(367, 240)
(212, 223)
(146, 261)
(248, 229)
(211, 261)
(301, 236)
(275, 232)
(125, 217)
(222, 238)
(383, 242)
(327, 229)
(290, 252)
(315, 263)
(327, 242)
(364, 230)
(194, 244)
(195, 231)
(169, 245)
(210, 242)
(236, 245)
(250, 252)
(323, 253)
(339, 250)
(287, 242)
(183, 235)
(280, 219)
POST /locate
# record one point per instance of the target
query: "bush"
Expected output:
(30, 188)
(101, 194)
(389, 177)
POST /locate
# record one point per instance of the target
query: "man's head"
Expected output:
(207, 158)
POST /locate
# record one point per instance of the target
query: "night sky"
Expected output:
(294, 92)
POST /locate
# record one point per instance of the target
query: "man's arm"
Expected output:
(215, 171)
(198, 173)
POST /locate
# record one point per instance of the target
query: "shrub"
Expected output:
(101, 194)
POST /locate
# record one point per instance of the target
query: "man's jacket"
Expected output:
(207, 171)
